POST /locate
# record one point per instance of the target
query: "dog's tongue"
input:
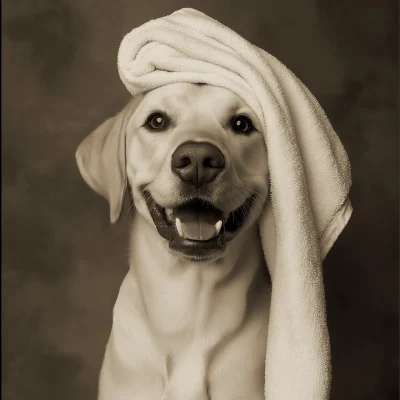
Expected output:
(197, 223)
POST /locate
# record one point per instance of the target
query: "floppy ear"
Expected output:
(101, 159)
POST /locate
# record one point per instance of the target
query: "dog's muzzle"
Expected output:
(196, 228)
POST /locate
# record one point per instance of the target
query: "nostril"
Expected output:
(208, 162)
(214, 162)
(182, 162)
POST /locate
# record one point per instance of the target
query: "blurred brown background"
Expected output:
(62, 260)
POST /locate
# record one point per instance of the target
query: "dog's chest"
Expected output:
(189, 310)
(180, 334)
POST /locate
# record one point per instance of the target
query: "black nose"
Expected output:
(197, 162)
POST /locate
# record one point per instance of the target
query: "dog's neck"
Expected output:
(178, 296)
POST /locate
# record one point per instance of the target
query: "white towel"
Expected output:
(309, 173)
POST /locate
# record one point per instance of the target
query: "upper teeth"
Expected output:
(169, 213)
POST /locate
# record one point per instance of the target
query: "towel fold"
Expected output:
(309, 174)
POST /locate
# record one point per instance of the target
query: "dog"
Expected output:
(191, 318)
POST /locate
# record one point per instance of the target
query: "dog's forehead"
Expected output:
(178, 96)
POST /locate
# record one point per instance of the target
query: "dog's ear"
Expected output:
(101, 159)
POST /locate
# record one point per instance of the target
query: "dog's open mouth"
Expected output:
(196, 228)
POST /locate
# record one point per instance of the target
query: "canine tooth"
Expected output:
(218, 226)
(169, 212)
(179, 227)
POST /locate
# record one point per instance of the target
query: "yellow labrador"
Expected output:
(190, 321)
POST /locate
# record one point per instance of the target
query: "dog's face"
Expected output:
(196, 162)
(197, 166)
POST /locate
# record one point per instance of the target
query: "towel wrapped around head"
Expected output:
(309, 174)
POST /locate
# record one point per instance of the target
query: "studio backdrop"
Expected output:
(62, 260)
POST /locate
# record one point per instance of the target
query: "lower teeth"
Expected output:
(178, 225)
(218, 226)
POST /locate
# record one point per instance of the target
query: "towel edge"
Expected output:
(335, 228)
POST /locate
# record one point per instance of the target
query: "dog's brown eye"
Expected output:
(156, 121)
(242, 124)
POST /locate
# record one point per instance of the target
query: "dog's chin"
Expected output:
(196, 230)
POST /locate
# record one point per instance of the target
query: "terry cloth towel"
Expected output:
(309, 173)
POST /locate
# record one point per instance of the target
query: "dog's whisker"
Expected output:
(246, 209)
(251, 189)
(257, 196)
(129, 211)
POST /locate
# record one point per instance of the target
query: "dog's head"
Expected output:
(196, 162)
